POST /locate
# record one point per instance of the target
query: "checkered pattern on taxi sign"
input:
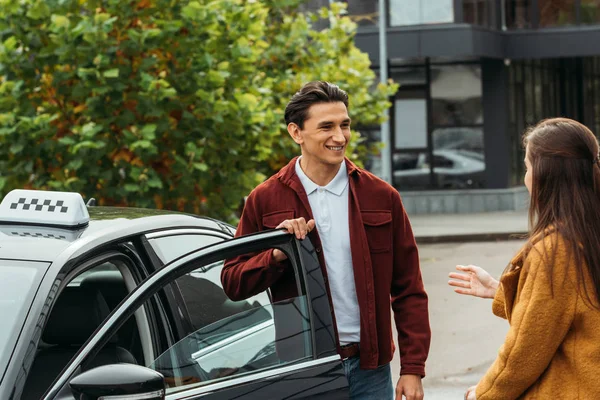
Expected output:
(38, 235)
(39, 205)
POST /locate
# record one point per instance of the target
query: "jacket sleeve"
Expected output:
(247, 275)
(540, 320)
(409, 300)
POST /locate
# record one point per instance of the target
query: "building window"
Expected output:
(596, 88)
(459, 162)
(456, 95)
(591, 83)
(314, 5)
(372, 136)
(457, 123)
(590, 11)
(410, 121)
(409, 124)
(437, 122)
(419, 12)
(479, 12)
(537, 90)
(527, 14)
(530, 117)
(557, 12)
(518, 14)
(364, 12)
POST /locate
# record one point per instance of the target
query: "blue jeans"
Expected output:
(368, 384)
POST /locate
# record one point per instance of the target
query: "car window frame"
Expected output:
(185, 264)
(149, 237)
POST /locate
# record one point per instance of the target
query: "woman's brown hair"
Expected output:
(565, 192)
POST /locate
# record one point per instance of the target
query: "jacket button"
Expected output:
(318, 249)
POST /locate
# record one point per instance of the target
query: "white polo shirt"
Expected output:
(329, 205)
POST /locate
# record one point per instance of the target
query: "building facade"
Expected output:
(473, 75)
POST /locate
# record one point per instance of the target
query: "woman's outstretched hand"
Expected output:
(474, 281)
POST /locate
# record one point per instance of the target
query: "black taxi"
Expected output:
(127, 304)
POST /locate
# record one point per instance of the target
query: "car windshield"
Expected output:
(19, 281)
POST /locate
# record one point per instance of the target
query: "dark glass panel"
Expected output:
(456, 95)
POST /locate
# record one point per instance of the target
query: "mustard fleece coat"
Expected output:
(552, 349)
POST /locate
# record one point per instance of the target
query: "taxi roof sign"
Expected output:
(38, 207)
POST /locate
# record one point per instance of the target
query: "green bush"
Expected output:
(164, 103)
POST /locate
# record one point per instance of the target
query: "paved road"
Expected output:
(465, 334)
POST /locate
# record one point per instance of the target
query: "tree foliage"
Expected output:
(164, 103)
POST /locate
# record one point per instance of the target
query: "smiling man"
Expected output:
(364, 241)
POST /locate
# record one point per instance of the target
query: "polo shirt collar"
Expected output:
(336, 186)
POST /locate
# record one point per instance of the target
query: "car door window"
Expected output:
(241, 344)
(205, 300)
(442, 162)
(233, 338)
(170, 247)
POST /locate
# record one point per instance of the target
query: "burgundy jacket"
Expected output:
(384, 256)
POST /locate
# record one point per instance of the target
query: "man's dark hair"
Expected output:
(312, 93)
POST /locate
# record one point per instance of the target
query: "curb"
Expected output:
(471, 237)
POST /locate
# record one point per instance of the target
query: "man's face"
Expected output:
(325, 135)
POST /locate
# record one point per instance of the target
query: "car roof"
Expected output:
(38, 242)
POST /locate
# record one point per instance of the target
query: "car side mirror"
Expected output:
(122, 380)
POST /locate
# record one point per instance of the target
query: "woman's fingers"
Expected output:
(464, 291)
(460, 284)
(467, 268)
(462, 277)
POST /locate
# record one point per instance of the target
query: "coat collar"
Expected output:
(518, 260)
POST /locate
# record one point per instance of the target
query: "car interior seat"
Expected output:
(207, 303)
(111, 286)
(75, 316)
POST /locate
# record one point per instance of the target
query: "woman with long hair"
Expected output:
(550, 291)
